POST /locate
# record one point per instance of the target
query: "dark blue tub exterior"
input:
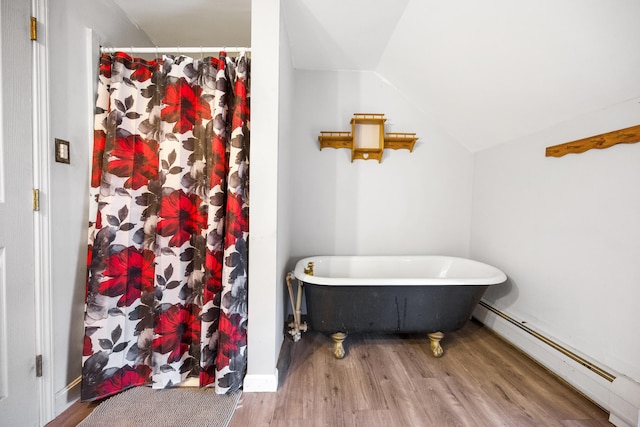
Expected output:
(390, 309)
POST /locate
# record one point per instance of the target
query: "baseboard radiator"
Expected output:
(617, 394)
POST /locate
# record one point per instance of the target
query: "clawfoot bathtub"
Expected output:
(393, 294)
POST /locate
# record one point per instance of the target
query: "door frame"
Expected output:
(42, 218)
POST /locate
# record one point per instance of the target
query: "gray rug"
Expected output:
(175, 407)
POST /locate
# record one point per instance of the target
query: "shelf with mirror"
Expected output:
(367, 139)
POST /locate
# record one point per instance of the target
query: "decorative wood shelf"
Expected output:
(367, 139)
(335, 140)
(628, 135)
(366, 154)
(398, 140)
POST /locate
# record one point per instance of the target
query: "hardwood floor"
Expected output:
(393, 380)
(74, 415)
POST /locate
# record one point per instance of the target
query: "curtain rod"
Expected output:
(177, 49)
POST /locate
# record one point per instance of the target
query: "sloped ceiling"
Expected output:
(486, 72)
(340, 35)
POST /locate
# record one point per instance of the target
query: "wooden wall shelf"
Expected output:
(628, 135)
(398, 140)
(367, 139)
(335, 140)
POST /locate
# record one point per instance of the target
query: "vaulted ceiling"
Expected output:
(487, 72)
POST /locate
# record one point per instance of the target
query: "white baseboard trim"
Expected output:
(67, 396)
(624, 403)
(261, 383)
(621, 398)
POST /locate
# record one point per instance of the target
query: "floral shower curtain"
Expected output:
(167, 263)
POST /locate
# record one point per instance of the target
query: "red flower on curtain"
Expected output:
(184, 106)
(99, 143)
(213, 264)
(236, 219)
(232, 337)
(180, 216)
(130, 272)
(207, 375)
(219, 161)
(242, 109)
(135, 158)
(176, 329)
(87, 347)
(105, 66)
(142, 71)
(123, 378)
(89, 256)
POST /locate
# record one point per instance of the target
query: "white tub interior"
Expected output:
(397, 270)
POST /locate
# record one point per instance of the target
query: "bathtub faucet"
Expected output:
(309, 269)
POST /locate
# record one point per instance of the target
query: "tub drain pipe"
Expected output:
(295, 327)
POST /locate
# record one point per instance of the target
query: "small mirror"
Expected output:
(368, 136)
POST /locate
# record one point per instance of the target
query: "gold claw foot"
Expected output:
(436, 348)
(338, 349)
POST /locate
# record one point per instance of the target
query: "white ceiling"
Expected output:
(486, 72)
(192, 23)
(340, 35)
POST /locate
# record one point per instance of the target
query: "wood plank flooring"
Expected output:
(393, 380)
(74, 415)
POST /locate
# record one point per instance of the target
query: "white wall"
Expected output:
(567, 233)
(71, 97)
(286, 197)
(410, 203)
(265, 302)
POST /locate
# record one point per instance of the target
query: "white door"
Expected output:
(19, 398)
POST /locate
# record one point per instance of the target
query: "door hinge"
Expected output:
(36, 199)
(38, 366)
(34, 28)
